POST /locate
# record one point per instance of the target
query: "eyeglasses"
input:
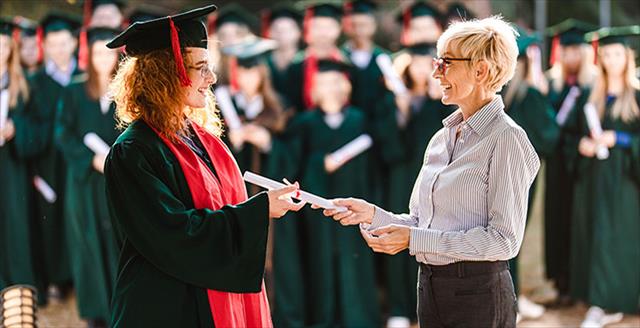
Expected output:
(205, 70)
(442, 63)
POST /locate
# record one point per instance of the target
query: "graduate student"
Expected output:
(339, 279)
(570, 78)
(17, 265)
(192, 245)
(85, 111)
(418, 117)
(30, 51)
(48, 173)
(606, 211)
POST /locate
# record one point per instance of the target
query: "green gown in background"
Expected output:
(92, 248)
(402, 269)
(338, 269)
(278, 78)
(559, 194)
(170, 252)
(605, 249)
(18, 259)
(49, 164)
(532, 111)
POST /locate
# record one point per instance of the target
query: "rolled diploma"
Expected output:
(227, 109)
(390, 74)
(596, 129)
(352, 149)
(567, 105)
(4, 111)
(97, 145)
(44, 189)
(300, 195)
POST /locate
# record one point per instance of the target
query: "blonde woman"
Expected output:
(192, 246)
(468, 207)
(606, 214)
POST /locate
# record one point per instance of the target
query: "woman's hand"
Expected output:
(280, 201)
(587, 147)
(608, 138)
(358, 211)
(258, 136)
(391, 239)
(8, 131)
(237, 138)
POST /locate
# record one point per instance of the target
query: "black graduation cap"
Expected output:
(233, 13)
(332, 65)
(7, 26)
(101, 34)
(181, 30)
(423, 49)
(611, 35)
(282, 10)
(93, 4)
(56, 21)
(27, 27)
(360, 7)
(251, 51)
(570, 31)
(525, 39)
(145, 12)
(321, 8)
(457, 11)
(419, 9)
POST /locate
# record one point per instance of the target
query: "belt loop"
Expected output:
(460, 270)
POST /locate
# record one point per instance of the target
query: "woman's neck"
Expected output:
(615, 85)
(475, 102)
(323, 51)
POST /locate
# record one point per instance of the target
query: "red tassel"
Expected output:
(83, 51)
(306, 24)
(310, 69)
(346, 19)
(177, 55)
(233, 74)
(594, 45)
(15, 35)
(406, 18)
(265, 17)
(555, 47)
(211, 25)
(39, 40)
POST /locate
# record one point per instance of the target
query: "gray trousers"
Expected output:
(466, 294)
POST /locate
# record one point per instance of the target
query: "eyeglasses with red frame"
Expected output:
(442, 63)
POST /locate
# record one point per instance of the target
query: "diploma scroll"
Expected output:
(567, 105)
(44, 189)
(593, 121)
(97, 145)
(4, 112)
(390, 75)
(227, 109)
(300, 195)
(351, 149)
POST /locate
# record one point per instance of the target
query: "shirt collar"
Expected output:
(59, 76)
(478, 121)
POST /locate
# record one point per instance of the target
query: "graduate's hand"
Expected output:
(280, 201)
(391, 239)
(358, 211)
(98, 162)
(8, 131)
(258, 135)
(237, 138)
(608, 138)
(403, 102)
(331, 165)
(587, 147)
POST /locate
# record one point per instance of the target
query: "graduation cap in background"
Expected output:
(26, 26)
(232, 13)
(178, 31)
(525, 39)
(569, 32)
(7, 26)
(457, 11)
(612, 35)
(56, 21)
(145, 12)
(362, 7)
(89, 7)
(251, 51)
(418, 9)
(281, 10)
(423, 49)
(101, 34)
(315, 8)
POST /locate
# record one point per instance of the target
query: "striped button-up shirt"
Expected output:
(469, 202)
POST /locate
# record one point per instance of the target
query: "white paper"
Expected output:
(536, 67)
(4, 112)
(596, 129)
(567, 105)
(44, 189)
(97, 145)
(352, 149)
(300, 195)
(223, 97)
(390, 75)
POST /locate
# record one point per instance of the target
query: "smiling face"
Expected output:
(323, 31)
(614, 59)
(285, 31)
(363, 26)
(59, 47)
(201, 76)
(457, 81)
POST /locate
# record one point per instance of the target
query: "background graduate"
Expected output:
(192, 246)
(83, 110)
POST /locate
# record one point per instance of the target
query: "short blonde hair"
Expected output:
(492, 40)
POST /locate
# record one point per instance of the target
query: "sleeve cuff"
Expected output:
(381, 218)
(623, 139)
(424, 241)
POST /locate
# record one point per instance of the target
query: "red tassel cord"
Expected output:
(555, 47)
(265, 17)
(39, 41)
(177, 55)
(308, 14)
(346, 19)
(406, 18)
(83, 50)
(594, 45)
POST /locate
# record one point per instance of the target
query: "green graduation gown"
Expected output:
(49, 164)
(338, 265)
(605, 252)
(92, 248)
(17, 235)
(559, 193)
(402, 269)
(171, 252)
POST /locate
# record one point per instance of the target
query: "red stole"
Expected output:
(227, 309)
